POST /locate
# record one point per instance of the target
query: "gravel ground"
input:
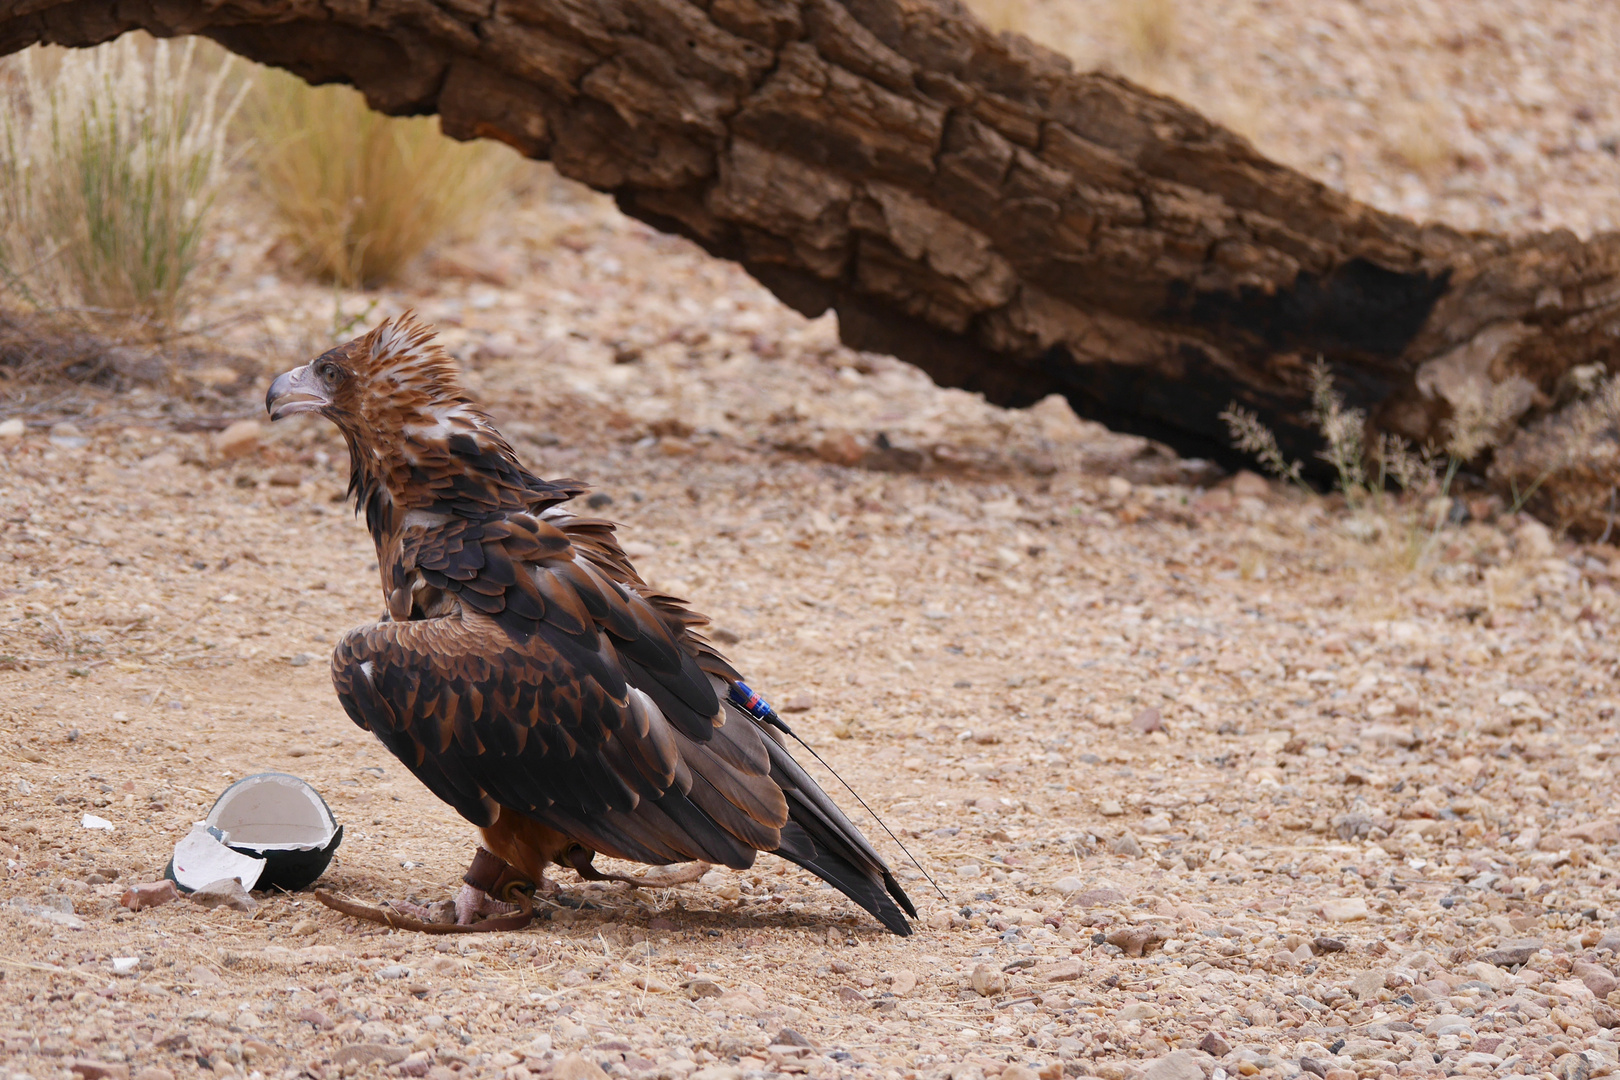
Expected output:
(1217, 779)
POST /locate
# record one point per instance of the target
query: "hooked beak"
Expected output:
(293, 392)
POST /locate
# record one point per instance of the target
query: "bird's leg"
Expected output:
(496, 898)
(493, 889)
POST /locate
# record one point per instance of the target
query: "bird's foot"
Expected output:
(443, 911)
(473, 904)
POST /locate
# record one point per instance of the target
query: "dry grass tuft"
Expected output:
(360, 194)
(1423, 476)
(1343, 430)
(110, 159)
(1149, 29)
(1482, 419)
(1253, 437)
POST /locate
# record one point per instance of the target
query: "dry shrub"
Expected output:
(40, 349)
(110, 160)
(360, 194)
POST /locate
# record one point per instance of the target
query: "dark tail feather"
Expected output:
(821, 839)
(876, 896)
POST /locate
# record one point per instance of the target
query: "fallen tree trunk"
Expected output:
(969, 203)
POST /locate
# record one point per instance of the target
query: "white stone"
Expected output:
(1343, 909)
(1489, 974)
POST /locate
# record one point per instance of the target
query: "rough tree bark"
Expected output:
(968, 202)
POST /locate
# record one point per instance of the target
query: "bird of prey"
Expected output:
(527, 675)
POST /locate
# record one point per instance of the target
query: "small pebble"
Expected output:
(239, 439)
(1572, 1067)
(67, 436)
(1147, 721)
(702, 988)
(1343, 909)
(152, 894)
(988, 981)
(315, 1018)
(226, 892)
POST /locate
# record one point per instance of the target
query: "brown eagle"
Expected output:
(526, 674)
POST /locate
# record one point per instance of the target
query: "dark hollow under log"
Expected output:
(969, 203)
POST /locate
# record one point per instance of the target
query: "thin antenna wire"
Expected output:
(869, 810)
(754, 705)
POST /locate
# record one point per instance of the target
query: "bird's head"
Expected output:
(376, 386)
(398, 400)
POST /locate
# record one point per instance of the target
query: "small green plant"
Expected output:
(359, 195)
(110, 160)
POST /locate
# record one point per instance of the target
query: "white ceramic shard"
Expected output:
(200, 858)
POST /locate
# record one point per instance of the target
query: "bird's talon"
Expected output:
(472, 904)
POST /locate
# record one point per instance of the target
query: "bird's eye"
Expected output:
(329, 372)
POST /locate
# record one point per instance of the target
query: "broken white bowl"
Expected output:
(276, 821)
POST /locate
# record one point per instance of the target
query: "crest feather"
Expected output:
(404, 342)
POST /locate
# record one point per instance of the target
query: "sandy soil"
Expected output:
(1217, 780)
